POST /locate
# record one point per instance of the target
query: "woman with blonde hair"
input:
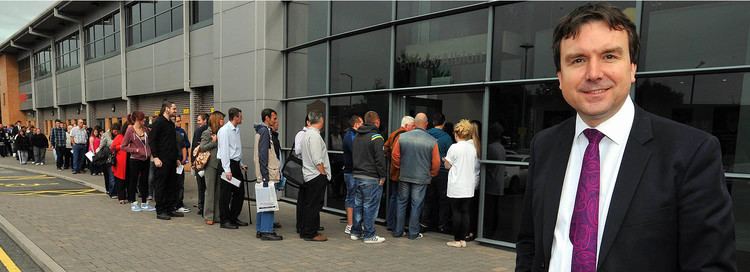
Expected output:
(462, 161)
(212, 170)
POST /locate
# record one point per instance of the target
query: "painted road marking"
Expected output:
(55, 193)
(26, 177)
(22, 185)
(7, 262)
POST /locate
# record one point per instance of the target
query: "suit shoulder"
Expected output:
(672, 130)
(554, 132)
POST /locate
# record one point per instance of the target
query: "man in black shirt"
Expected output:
(163, 143)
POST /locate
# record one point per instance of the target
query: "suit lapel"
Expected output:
(634, 161)
(553, 178)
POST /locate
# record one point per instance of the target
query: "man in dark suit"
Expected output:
(617, 188)
(163, 143)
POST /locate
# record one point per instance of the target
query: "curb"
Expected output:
(36, 253)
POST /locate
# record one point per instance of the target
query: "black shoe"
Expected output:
(240, 223)
(321, 228)
(163, 216)
(176, 214)
(276, 225)
(257, 234)
(271, 237)
(228, 226)
(75, 172)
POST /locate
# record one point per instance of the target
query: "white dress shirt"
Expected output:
(611, 148)
(298, 142)
(230, 145)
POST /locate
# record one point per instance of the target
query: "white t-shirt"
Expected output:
(463, 175)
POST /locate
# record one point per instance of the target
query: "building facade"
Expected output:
(485, 61)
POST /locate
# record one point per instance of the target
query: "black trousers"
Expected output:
(231, 198)
(68, 158)
(437, 209)
(461, 220)
(165, 187)
(136, 179)
(60, 151)
(180, 190)
(201, 189)
(311, 199)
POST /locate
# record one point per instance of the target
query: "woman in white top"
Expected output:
(463, 163)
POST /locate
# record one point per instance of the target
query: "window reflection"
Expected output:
(307, 21)
(351, 15)
(306, 71)
(716, 103)
(361, 62)
(442, 51)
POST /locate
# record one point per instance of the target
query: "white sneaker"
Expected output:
(41, 163)
(457, 244)
(134, 207)
(183, 210)
(374, 240)
(354, 237)
(146, 207)
(348, 229)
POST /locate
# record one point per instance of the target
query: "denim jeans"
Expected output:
(366, 207)
(264, 222)
(78, 153)
(406, 191)
(390, 215)
(109, 180)
(351, 187)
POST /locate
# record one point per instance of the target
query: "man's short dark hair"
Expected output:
(353, 120)
(267, 112)
(371, 117)
(164, 105)
(58, 121)
(233, 112)
(570, 25)
(204, 116)
(438, 119)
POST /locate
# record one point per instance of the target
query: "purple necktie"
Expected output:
(584, 225)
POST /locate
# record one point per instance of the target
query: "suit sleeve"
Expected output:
(152, 138)
(525, 245)
(706, 222)
(264, 144)
(206, 141)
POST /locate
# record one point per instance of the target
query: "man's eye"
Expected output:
(577, 60)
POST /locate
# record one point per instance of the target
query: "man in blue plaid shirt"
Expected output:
(57, 139)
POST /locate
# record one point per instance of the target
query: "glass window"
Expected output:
(147, 10)
(24, 70)
(102, 36)
(109, 26)
(202, 10)
(176, 19)
(307, 21)
(413, 8)
(109, 44)
(722, 40)
(99, 48)
(361, 62)
(162, 6)
(716, 103)
(296, 114)
(517, 113)
(147, 29)
(522, 39)
(306, 71)
(135, 13)
(442, 51)
(350, 15)
(116, 22)
(98, 30)
(343, 107)
(135, 34)
(163, 23)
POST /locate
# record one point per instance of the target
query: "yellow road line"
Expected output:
(7, 262)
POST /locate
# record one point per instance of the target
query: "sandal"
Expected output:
(209, 222)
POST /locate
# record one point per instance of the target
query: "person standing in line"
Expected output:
(369, 173)
(135, 142)
(267, 169)
(297, 152)
(354, 123)
(22, 145)
(436, 214)
(209, 143)
(230, 154)
(68, 154)
(78, 138)
(183, 148)
(104, 144)
(118, 168)
(94, 143)
(163, 144)
(316, 170)
(462, 161)
(415, 174)
(407, 124)
(201, 125)
(39, 144)
(57, 140)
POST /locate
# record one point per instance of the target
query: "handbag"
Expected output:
(265, 198)
(292, 170)
(200, 158)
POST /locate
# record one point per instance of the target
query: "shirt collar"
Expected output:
(617, 127)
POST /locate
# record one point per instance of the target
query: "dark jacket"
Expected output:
(348, 140)
(22, 142)
(163, 141)
(444, 142)
(39, 140)
(266, 141)
(368, 158)
(196, 139)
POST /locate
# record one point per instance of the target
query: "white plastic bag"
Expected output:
(265, 198)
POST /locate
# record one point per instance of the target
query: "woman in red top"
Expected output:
(119, 167)
(94, 142)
